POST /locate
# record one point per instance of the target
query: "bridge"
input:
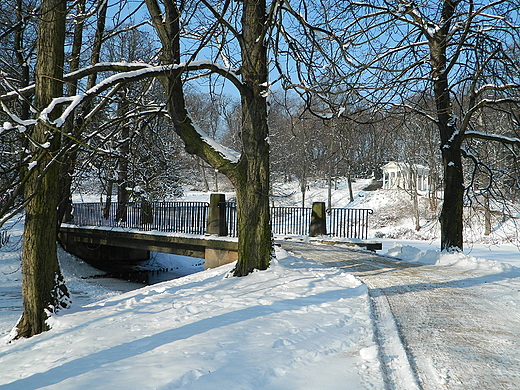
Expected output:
(198, 229)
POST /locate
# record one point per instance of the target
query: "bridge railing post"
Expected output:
(318, 220)
(217, 215)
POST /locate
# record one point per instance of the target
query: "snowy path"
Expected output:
(460, 328)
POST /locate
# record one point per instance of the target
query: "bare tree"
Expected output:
(250, 173)
(43, 287)
(459, 52)
(37, 187)
(75, 123)
(18, 25)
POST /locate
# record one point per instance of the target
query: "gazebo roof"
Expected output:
(404, 166)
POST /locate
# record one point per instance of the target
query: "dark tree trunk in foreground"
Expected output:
(451, 138)
(250, 175)
(452, 206)
(42, 283)
(252, 179)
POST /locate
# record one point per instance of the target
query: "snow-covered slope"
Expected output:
(298, 325)
(393, 216)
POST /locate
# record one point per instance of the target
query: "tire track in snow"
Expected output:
(438, 327)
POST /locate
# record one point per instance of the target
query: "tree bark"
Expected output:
(122, 163)
(487, 215)
(303, 188)
(416, 214)
(451, 138)
(254, 226)
(452, 206)
(250, 175)
(42, 283)
(202, 171)
(350, 192)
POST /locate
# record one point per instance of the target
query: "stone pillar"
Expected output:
(146, 212)
(216, 257)
(217, 215)
(318, 220)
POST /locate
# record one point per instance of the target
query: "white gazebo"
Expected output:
(404, 176)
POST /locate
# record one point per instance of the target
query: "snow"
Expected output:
(129, 71)
(500, 137)
(298, 325)
(16, 119)
(229, 154)
(434, 257)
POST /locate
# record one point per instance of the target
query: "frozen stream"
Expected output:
(85, 283)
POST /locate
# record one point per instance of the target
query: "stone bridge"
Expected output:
(205, 230)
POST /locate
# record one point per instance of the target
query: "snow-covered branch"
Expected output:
(492, 137)
(127, 72)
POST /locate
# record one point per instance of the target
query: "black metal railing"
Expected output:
(182, 217)
(231, 218)
(291, 220)
(284, 220)
(192, 217)
(351, 223)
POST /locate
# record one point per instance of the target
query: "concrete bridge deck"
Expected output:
(99, 245)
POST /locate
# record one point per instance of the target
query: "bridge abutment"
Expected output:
(97, 245)
(216, 257)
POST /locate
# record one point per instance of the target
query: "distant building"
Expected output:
(406, 176)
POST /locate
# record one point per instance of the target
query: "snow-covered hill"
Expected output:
(393, 216)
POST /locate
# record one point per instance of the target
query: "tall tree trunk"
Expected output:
(487, 215)
(329, 190)
(451, 138)
(416, 214)
(303, 188)
(254, 226)
(350, 192)
(122, 164)
(42, 283)
(108, 202)
(414, 195)
(202, 170)
(452, 206)
(250, 175)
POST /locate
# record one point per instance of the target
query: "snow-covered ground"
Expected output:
(298, 325)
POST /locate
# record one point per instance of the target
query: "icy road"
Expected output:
(438, 327)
